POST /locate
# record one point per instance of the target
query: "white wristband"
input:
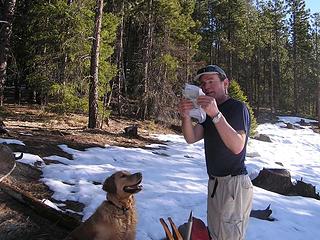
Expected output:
(217, 118)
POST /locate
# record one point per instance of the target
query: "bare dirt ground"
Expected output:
(42, 132)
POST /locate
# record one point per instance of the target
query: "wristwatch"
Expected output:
(217, 118)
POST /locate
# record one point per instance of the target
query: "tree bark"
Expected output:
(318, 103)
(147, 59)
(271, 77)
(277, 73)
(119, 59)
(295, 60)
(64, 58)
(317, 20)
(94, 67)
(6, 12)
(117, 85)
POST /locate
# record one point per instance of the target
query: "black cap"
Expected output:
(210, 69)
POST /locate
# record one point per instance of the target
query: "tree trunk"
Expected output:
(147, 60)
(58, 217)
(64, 58)
(6, 12)
(277, 75)
(271, 77)
(317, 64)
(230, 36)
(318, 92)
(119, 59)
(295, 64)
(94, 67)
(188, 62)
(117, 84)
(318, 105)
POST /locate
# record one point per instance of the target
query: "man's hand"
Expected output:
(185, 106)
(191, 133)
(208, 104)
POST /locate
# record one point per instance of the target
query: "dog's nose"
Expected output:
(138, 174)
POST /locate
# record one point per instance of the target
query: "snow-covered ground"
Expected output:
(175, 180)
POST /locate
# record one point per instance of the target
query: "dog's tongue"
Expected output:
(133, 189)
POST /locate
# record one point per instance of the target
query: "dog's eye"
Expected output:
(123, 176)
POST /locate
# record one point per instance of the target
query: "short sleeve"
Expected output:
(240, 117)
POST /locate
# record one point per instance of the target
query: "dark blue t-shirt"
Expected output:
(220, 160)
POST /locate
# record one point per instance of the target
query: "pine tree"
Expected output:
(7, 9)
(300, 52)
(53, 54)
(236, 93)
(160, 41)
(175, 45)
(316, 59)
(276, 57)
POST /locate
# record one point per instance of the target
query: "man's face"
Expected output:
(212, 86)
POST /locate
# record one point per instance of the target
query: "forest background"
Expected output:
(132, 58)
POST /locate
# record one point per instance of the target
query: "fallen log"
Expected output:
(60, 218)
(306, 190)
(9, 165)
(274, 180)
(279, 181)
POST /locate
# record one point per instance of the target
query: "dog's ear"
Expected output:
(109, 185)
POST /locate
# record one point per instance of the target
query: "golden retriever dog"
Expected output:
(115, 218)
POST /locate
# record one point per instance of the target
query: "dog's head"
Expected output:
(123, 184)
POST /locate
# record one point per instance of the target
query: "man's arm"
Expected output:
(191, 133)
(234, 140)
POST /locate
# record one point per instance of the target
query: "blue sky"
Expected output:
(313, 5)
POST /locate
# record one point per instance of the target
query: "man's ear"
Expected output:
(226, 83)
(109, 185)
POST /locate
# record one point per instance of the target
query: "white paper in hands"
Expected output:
(192, 92)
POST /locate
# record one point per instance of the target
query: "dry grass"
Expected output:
(72, 128)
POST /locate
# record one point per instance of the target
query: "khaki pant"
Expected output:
(229, 207)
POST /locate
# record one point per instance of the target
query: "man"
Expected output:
(225, 132)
